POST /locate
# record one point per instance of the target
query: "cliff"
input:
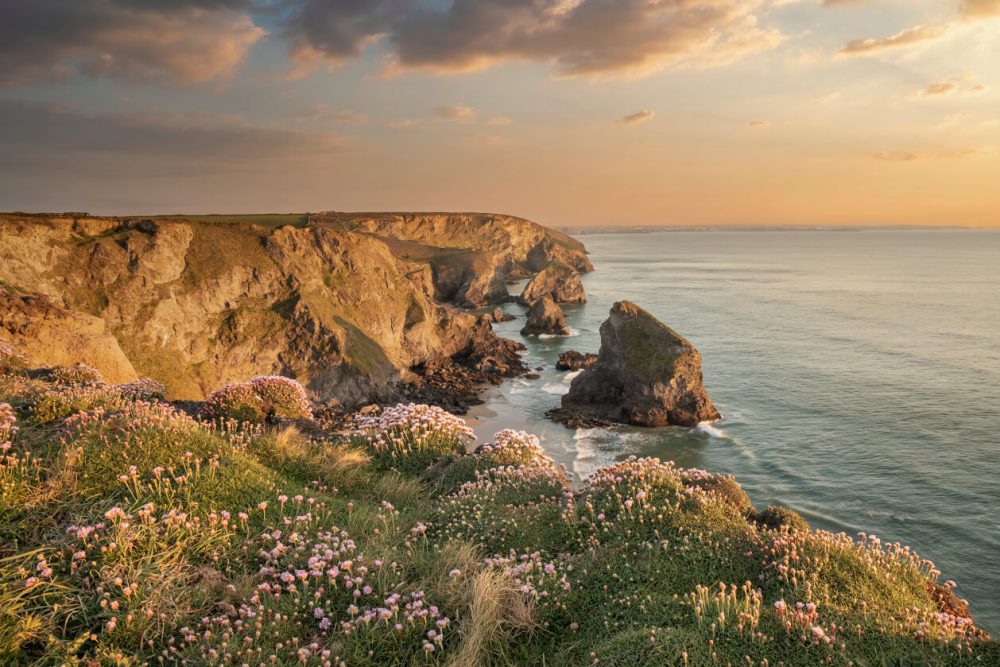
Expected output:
(516, 247)
(352, 307)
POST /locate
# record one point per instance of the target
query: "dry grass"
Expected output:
(497, 611)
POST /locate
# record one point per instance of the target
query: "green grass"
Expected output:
(133, 535)
(269, 220)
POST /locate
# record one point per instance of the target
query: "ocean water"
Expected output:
(858, 373)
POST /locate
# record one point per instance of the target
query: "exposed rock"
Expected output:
(519, 247)
(575, 361)
(198, 304)
(43, 331)
(498, 316)
(557, 280)
(545, 317)
(646, 374)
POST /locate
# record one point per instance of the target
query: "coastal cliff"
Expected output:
(356, 307)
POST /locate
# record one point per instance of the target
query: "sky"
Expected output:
(568, 112)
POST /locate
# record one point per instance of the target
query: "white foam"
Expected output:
(706, 427)
(569, 376)
(572, 332)
(556, 389)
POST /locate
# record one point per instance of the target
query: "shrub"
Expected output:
(724, 486)
(235, 401)
(11, 360)
(149, 391)
(509, 448)
(283, 397)
(259, 399)
(410, 438)
(59, 402)
(776, 517)
(75, 374)
(8, 423)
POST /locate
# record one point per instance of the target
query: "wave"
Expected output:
(714, 431)
(568, 378)
(558, 389)
(572, 332)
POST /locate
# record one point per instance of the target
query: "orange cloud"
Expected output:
(905, 37)
(637, 117)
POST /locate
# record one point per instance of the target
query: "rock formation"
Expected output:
(41, 330)
(558, 280)
(575, 361)
(545, 317)
(646, 374)
(350, 311)
(499, 315)
(519, 248)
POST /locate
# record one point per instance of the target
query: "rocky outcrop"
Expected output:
(43, 331)
(545, 317)
(498, 316)
(519, 247)
(646, 374)
(354, 316)
(557, 280)
(575, 361)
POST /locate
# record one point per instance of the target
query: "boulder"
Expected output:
(545, 317)
(575, 361)
(498, 316)
(646, 374)
(557, 280)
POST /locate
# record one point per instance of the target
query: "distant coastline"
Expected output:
(651, 229)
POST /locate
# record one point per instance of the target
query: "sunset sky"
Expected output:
(569, 112)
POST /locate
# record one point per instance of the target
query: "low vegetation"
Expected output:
(132, 532)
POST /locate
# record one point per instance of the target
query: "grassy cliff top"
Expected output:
(133, 533)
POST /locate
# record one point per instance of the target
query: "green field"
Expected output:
(261, 219)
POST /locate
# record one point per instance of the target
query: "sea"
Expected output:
(858, 374)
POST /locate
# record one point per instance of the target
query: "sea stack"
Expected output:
(558, 280)
(545, 317)
(646, 374)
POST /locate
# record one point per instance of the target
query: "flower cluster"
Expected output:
(8, 423)
(510, 447)
(76, 374)
(411, 437)
(146, 390)
(11, 360)
(59, 402)
(270, 397)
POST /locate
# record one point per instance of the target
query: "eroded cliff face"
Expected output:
(354, 315)
(518, 248)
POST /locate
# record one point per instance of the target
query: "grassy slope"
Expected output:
(140, 534)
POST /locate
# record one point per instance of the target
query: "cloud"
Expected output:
(757, 124)
(456, 113)
(980, 8)
(912, 156)
(43, 134)
(942, 88)
(323, 113)
(187, 41)
(590, 38)
(637, 117)
(905, 37)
